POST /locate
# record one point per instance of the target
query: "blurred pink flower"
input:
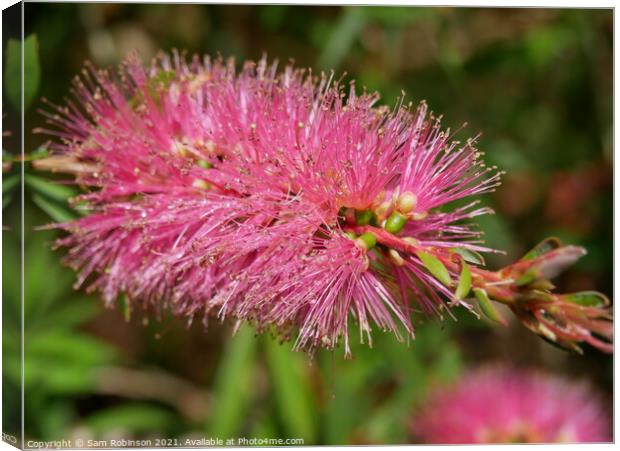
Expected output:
(504, 405)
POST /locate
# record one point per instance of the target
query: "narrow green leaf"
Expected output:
(11, 272)
(8, 183)
(470, 256)
(435, 267)
(265, 426)
(543, 247)
(56, 379)
(40, 296)
(290, 387)
(341, 38)
(38, 153)
(69, 347)
(135, 417)
(54, 191)
(464, 285)
(60, 417)
(487, 307)
(587, 299)
(56, 212)
(65, 315)
(528, 277)
(6, 200)
(537, 295)
(32, 70)
(13, 71)
(233, 385)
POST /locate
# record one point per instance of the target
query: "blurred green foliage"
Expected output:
(13, 70)
(537, 83)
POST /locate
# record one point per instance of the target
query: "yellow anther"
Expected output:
(383, 210)
(396, 258)
(406, 202)
(410, 240)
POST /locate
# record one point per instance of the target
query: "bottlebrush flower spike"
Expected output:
(268, 197)
(505, 405)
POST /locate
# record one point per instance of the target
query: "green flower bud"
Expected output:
(204, 164)
(395, 222)
(363, 217)
(367, 241)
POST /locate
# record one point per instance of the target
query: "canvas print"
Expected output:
(289, 225)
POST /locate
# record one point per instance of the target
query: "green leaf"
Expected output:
(8, 183)
(13, 71)
(435, 267)
(136, 418)
(11, 275)
(543, 45)
(38, 153)
(587, 299)
(527, 277)
(32, 71)
(64, 316)
(233, 385)
(57, 212)
(342, 37)
(63, 380)
(64, 362)
(54, 191)
(469, 256)
(464, 285)
(538, 296)
(41, 266)
(543, 247)
(291, 391)
(265, 426)
(69, 347)
(59, 418)
(487, 307)
(6, 200)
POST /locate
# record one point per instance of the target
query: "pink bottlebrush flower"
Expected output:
(270, 197)
(504, 405)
